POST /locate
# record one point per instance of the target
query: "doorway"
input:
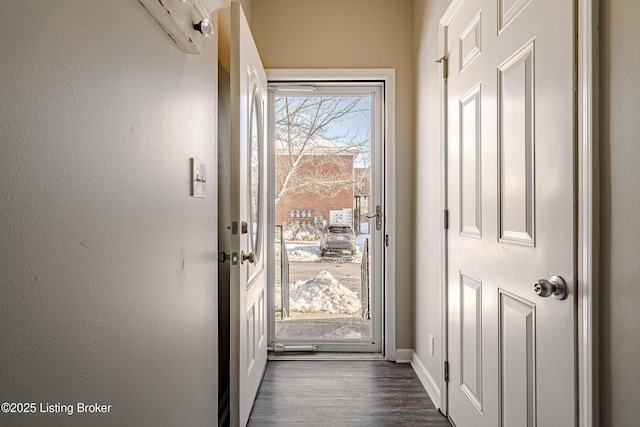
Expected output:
(327, 216)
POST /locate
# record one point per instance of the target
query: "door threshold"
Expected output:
(325, 356)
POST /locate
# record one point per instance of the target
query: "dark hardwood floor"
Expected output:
(342, 393)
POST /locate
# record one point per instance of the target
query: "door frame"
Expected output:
(588, 203)
(387, 76)
(374, 91)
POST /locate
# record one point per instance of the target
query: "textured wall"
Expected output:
(428, 219)
(107, 266)
(620, 218)
(355, 34)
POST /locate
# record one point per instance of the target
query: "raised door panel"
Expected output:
(470, 164)
(471, 339)
(251, 340)
(508, 11)
(516, 148)
(517, 361)
(471, 42)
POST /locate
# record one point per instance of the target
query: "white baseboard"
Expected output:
(426, 379)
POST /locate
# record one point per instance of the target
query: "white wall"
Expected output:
(355, 34)
(428, 220)
(108, 267)
(620, 218)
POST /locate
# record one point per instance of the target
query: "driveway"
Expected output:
(343, 269)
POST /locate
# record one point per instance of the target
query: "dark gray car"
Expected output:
(338, 238)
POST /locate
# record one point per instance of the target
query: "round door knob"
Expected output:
(555, 286)
(248, 257)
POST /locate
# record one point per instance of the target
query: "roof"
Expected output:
(318, 147)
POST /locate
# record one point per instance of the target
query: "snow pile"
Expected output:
(303, 235)
(344, 332)
(323, 294)
(303, 252)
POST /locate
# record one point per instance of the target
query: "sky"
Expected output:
(358, 123)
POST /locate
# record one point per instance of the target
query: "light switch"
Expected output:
(198, 178)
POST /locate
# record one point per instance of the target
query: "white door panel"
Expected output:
(248, 92)
(510, 184)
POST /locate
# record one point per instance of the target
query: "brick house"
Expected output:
(323, 181)
(361, 196)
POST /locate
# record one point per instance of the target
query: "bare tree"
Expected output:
(313, 154)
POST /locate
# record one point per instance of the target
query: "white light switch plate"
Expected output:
(198, 178)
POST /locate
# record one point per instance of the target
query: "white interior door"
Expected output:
(248, 90)
(510, 195)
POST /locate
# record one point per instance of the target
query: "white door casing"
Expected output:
(372, 91)
(510, 118)
(248, 277)
(387, 77)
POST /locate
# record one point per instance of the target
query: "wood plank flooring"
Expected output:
(342, 393)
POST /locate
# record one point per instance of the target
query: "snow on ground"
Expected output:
(323, 294)
(344, 332)
(310, 251)
(304, 251)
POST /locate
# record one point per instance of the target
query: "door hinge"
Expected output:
(446, 219)
(445, 66)
(386, 240)
(446, 371)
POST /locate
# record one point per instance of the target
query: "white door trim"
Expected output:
(588, 207)
(388, 76)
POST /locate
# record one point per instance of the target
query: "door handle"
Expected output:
(555, 286)
(377, 216)
(251, 257)
(223, 256)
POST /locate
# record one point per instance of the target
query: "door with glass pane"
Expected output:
(246, 228)
(328, 216)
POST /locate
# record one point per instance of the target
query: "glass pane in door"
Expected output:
(324, 213)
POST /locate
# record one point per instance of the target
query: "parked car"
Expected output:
(337, 238)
